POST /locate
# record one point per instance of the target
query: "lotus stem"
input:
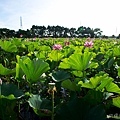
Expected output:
(51, 91)
(18, 101)
(1, 97)
(0, 86)
(53, 105)
(0, 91)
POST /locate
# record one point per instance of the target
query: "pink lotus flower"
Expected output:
(88, 44)
(57, 47)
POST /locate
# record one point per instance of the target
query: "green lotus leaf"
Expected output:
(116, 51)
(60, 75)
(112, 87)
(93, 97)
(79, 61)
(118, 71)
(64, 64)
(7, 109)
(68, 51)
(55, 55)
(6, 71)
(68, 84)
(116, 102)
(8, 46)
(41, 107)
(78, 73)
(10, 91)
(41, 55)
(33, 69)
(78, 109)
(45, 48)
(98, 82)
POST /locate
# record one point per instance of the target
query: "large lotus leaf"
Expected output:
(86, 84)
(112, 87)
(33, 69)
(77, 109)
(116, 52)
(68, 84)
(10, 89)
(9, 97)
(68, 51)
(99, 57)
(60, 75)
(55, 55)
(8, 46)
(92, 83)
(31, 48)
(86, 58)
(27, 66)
(35, 101)
(7, 109)
(64, 64)
(80, 61)
(6, 71)
(78, 49)
(40, 67)
(93, 97)
(41, 54)
(118, 72)
(98, 82)
(117, 62)
(93, 65)
(102, 49)
(41, 107)
(45, 48)
(109, 62)
(19, 72)
(17, 42)
(105, 80)
(116, 102)
(78, 73)
(76, 62)
(36, 45)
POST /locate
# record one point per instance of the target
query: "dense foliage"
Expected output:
(59, 79)
(51, 31)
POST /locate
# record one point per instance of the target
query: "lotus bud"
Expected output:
(0, 81)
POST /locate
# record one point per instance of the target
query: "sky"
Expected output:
(103, 14)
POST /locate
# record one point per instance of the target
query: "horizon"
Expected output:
(70, 13)
(56, 25)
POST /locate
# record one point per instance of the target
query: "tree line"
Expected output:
(52, 31)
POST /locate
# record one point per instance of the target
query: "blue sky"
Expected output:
(103, 14)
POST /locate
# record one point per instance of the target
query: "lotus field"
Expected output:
(59, 79)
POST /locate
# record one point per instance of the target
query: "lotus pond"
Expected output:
(59, 79)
